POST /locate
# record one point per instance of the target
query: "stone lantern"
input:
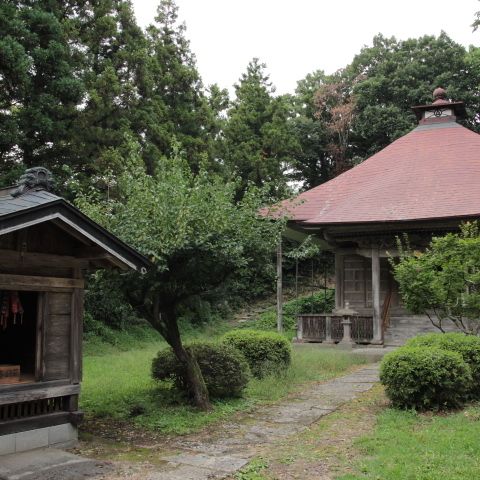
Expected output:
(347, 313)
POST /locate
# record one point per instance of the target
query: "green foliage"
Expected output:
(76, 77)
(106, 303)
(445, 279)
(266, 352)
(319, 302)
(224, 369)
(468, 346)
(312, 162)
(425, 378)
(190, 226)
(99, 339)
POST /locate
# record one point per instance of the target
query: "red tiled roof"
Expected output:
(432, 172)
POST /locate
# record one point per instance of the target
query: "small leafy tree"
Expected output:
(194, 232)
(444, 281)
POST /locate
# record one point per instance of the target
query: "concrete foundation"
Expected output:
(60, 436)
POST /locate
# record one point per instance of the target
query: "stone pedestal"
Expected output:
(347, 313)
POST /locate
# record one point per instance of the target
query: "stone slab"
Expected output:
(186, 472)
(62, 434)
(49, 464)
(31, 439)
(7, 444)
(224, 463)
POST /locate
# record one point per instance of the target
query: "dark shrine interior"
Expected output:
(18, 339)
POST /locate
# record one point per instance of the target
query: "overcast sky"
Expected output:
(296, 37)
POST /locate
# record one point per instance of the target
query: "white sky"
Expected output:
(296, 37)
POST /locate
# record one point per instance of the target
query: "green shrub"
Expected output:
(105, 302)
(319, 302)
(468, 346)
(224, 369)
(425, 378)
(266, 352)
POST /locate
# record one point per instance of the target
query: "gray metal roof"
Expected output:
(38, 205)
(33, 198)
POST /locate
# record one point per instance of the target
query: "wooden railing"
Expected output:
(323, 327)
(33, 408)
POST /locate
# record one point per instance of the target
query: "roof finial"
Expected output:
(439, 95)
(36, 178)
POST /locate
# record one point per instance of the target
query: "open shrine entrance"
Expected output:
(19, 316)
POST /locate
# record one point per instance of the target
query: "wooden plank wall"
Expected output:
(357, 287)
(57, 335)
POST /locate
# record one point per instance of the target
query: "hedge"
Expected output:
(265, 352)
(224, 369)
(425, 378)
(468, 346)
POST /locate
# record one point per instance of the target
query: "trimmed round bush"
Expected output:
(425, 378)
(223, 367)
(468, 346)
(266, 352)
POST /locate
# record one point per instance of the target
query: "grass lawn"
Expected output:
(407, 445)
(117, 386)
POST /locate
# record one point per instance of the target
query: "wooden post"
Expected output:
(338, 280)
(328, 329)
(279, 287)
(299, 327)
(377, 318)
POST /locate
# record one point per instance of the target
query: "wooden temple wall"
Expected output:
(355, 283)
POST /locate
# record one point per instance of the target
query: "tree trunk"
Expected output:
(195, 381)
(162, 317)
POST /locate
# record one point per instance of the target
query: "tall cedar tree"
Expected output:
(113, 51)
(174, 105)
(258, 139)
(39, 86)
(78, 78)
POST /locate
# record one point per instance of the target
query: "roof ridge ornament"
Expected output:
(440, 110)
(440, 95)
(36, 178)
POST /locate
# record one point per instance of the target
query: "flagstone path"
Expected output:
(233, 445)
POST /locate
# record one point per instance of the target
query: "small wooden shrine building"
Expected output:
(46, 246)
(425, 183)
